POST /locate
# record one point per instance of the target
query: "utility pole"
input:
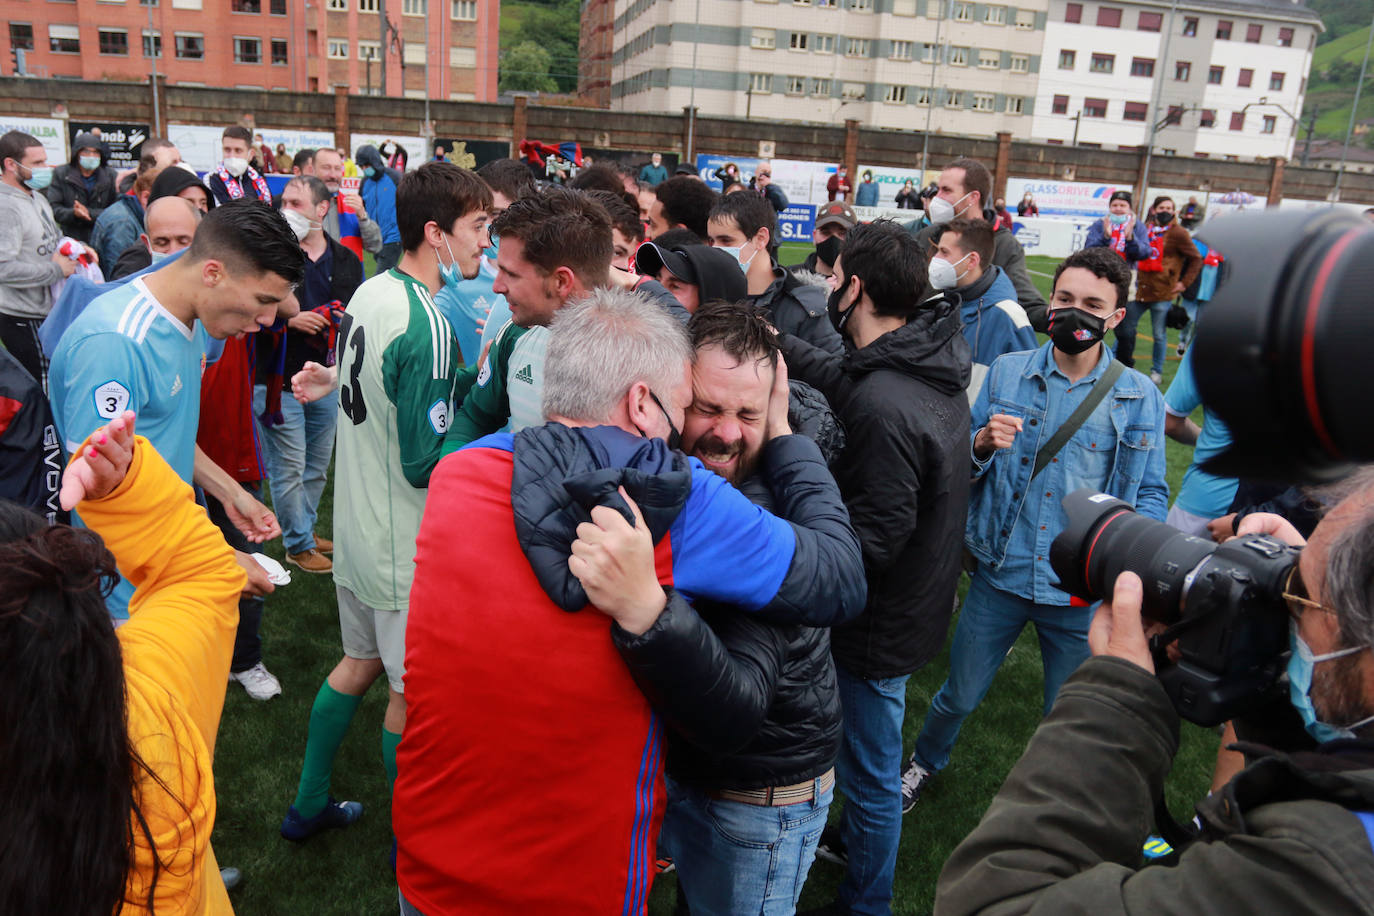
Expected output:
(1154, 108)
(381, 34)
(1307, 143)
(936, 52)
(690, 152)
(1354, 107)
(155, 42)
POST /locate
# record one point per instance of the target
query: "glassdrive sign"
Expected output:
(123, 141)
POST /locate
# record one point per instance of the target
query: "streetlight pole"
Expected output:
(936, 50)
(1350, 127)
(381, 33)
(1154, 108)
(692, 101)
(155, 44)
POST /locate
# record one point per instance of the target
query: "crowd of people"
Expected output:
(645, 530)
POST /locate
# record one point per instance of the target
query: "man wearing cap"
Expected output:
(1120, 231)
(694, 273)
(833, 222)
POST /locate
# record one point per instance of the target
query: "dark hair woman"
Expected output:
(107, 737)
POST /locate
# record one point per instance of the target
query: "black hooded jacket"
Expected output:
(69, 187)
(905, 479)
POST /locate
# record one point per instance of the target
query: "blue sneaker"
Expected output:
(335, 814)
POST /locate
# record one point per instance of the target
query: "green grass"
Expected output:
(346, 872)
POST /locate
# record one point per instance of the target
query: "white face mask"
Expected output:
(942, 273)
(235, 165)
(299, 223)
(942, 211)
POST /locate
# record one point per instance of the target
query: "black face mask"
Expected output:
(828, 250)
(674, 439)
(1074, 330)
(1164, 219)
(839, 319)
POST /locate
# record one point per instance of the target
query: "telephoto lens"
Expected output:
(1223, 605)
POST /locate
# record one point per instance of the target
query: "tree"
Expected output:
(525, 68)
(554, 27)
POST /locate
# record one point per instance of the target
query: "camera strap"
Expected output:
(1063, 434)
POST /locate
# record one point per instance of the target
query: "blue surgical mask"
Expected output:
(89, 163)
(39, 178)
(491, 251)
(1300, 665)
(734, 253)
(369, 171)
(449, 272)
(1118, 219)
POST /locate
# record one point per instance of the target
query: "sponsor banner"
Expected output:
(1063, 198)
(124, 142)
(414, 146)
(796, 223)
(802, 182)
(51, 132)
(198, 144)
(869, 214)
(1294, 203)
(295, 140)
(470, 154)
(1051, 237)
(891, 179)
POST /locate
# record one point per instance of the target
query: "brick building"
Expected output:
(300, 45)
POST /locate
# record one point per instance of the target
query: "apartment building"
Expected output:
(300, 45)
(959, 67)
(1231, 76)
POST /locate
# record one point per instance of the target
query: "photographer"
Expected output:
(1290, 833)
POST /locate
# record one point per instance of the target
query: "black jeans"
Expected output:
(20, 337)
(388, 257)
(247, 641)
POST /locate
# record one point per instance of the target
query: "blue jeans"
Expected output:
(408, 908)
(736, 858)
(296, 453)
(1125, 332)
(988, 626)
(869, 773)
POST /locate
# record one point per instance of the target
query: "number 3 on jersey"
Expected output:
(350, 391)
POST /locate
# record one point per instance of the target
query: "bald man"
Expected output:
(169, 226)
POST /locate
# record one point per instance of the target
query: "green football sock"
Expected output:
(329, 720)
(389, 741)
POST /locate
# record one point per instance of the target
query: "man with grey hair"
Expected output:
(1289, 833)
(518, 703)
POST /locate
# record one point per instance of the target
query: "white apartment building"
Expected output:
(959, 66)
(1231, 83)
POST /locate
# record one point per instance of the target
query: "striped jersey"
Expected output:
(397, 359)
(127, 352)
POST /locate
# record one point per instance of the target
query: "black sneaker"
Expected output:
(831, 846)
(913, 781)
(334, 814)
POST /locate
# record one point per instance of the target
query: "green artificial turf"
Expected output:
(346, 872)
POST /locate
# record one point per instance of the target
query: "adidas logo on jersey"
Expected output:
(525, 375)
(176, 385)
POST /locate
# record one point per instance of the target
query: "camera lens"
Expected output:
(1105, 537)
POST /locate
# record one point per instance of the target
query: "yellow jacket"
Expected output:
(177, 646)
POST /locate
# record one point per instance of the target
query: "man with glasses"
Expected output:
(1289, 833)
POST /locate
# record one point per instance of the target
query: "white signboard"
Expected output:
(414, 146)
(1050, 236)
(199, 145)
(295, 140)
(1295, 203)
(891, 179)
(1062, 198)
(51, 132)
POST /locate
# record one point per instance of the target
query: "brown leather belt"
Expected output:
(778, 796)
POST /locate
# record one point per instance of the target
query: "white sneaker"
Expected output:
(258, 682)
(1156, 378)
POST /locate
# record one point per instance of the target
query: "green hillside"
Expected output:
(1336, 67)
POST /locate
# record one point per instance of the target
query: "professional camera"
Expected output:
(1223, 604)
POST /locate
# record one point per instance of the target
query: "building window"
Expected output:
(1109, 17)
(954, 98)
(246, 6)
(800, 41)
(904, 7)
(923, 96)
(1214, 75)
(414, 7)
(825, 44)
(831, 4)
(801, 2)
(856, 47)
(930, 52)
(963, 12)
(190, 45)
(1094, 108)
(1025, 20)
(1019, 63)
(1245, 78)
(989, 60)
(114, 42)
(1182, 70)
(1016, 104)
(1060, 105)
(152, 44)
(820, 88)
(1238, 120)
(1073, 12)
(1190, 26)
(337, 6)
(276, 8)
(247, 50)
(64, 39)
(466, 10)
(896, 95)
(147, 2)
(761, 83)
(1270, 122)
(21, 36)
(1285, 38)
(958, 57)
(863, 6)
(1102, 63)
(1067, 59)
(853, 92)
(995, 15)
(762, 39)
(1208, 118)
(984, 101)
(1135, 111)
(1276, 81)
(1150, 22)
(1142, 66)
(338, 48)
(369, 50)
(279, 52)
(1224, 29)
(367, 6)
(901, 50)
(796, 85)
(1254, 31)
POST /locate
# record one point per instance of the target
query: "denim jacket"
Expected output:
(1127, 427)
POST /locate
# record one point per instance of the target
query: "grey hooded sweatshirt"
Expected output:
(28, 239)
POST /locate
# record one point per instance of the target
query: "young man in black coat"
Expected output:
(83, 188)
(899, 391)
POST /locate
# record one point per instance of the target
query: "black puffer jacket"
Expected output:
(798, 308)
(788, 725)
(904, 475)
(68, 187)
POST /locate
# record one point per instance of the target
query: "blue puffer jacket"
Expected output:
(379, 193)
(116, 229)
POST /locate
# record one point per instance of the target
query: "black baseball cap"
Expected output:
(1121, 195)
